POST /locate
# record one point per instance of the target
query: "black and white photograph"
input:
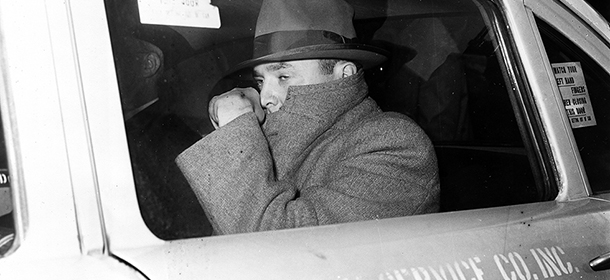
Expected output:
(305, 139)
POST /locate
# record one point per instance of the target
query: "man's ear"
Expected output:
(344, 69)
(151, 64)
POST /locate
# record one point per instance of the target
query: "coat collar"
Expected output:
(320, 103)
(309, 111)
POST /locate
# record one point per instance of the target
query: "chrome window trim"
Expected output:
(587, 15)
(530, 124)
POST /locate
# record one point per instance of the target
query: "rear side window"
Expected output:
(585, 89)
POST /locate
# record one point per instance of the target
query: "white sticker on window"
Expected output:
(189, 13)
(571, 82)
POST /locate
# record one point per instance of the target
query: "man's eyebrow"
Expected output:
(274, 67)
(278, 66)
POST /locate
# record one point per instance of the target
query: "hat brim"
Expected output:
(366, 55)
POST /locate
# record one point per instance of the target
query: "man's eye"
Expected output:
(283, 77)
(259, 84)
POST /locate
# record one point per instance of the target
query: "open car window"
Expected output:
(445, 72)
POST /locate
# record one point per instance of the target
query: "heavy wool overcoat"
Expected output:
(329, 155)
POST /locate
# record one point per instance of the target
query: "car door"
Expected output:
(519, 199)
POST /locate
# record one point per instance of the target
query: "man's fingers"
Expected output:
(212, 112)
(254, 98)
(234, 103)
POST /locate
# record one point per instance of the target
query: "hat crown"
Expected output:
(300, 15)
(289, 30)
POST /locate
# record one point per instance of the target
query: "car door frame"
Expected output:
(566, 17)
(346, 251)
(595, 42)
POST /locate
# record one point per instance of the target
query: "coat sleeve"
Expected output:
(231, 171)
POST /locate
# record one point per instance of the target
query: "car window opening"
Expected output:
(443, 73)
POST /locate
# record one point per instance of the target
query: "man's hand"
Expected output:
(228, 106)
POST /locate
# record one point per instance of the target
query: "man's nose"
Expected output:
(269, 100)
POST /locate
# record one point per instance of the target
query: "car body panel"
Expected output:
(490, 243)
(48, 199)
(45, 152)
(79, 267)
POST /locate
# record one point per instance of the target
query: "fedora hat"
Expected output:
(308, 29)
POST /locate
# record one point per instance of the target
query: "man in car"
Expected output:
(145, 57)
(311, 148)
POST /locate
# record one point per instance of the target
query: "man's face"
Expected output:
(274, 78)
